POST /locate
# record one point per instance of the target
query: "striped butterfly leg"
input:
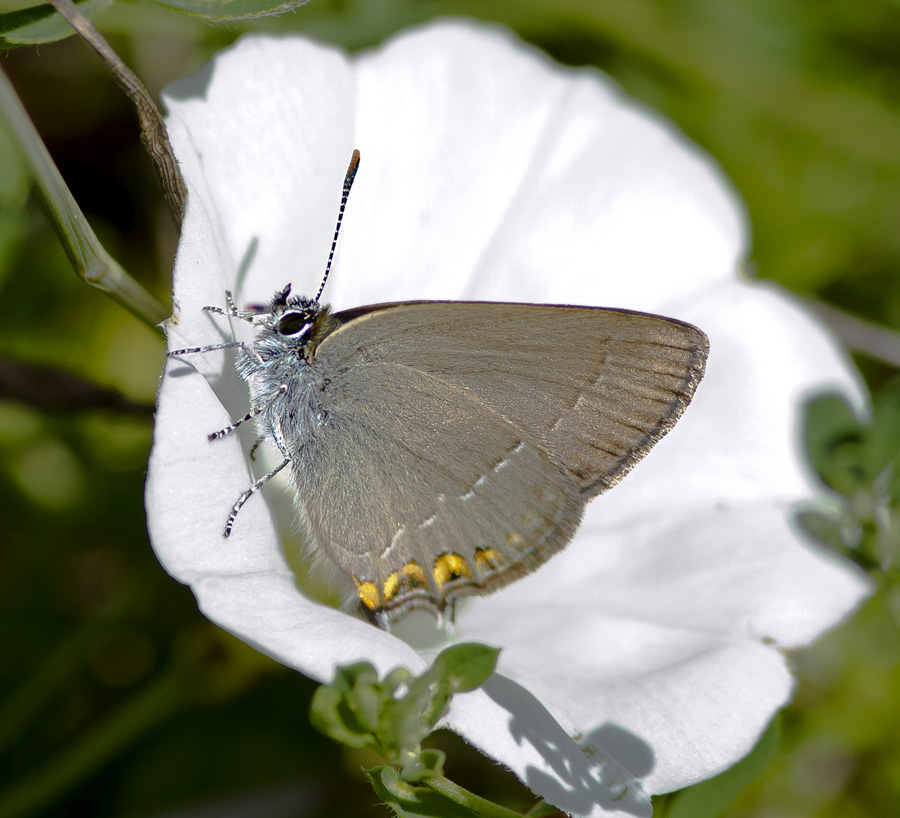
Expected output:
(177, 353)
(252, 315)
(229, 525)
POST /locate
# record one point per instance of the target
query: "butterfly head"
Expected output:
(293, 322)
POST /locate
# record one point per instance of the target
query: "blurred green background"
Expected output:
(117, 698)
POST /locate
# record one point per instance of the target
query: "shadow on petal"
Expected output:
(193, 87)
(584, 776)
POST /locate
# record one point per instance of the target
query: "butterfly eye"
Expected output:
(293, 323)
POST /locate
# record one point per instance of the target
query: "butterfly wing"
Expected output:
(595, 388)
(421, 491)
(462, 440)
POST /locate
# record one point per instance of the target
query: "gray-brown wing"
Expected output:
(422, 492)
(595, 388)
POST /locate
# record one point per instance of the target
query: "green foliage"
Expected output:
(427, 802)
(223, 10)
(859, 461)
(86, 253)
(393, 715)
(13, 179)
(13, 197)
(42, 24)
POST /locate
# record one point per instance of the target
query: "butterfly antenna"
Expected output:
(348, 183)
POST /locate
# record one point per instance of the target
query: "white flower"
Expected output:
(489, 173)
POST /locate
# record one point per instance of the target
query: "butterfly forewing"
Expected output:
(595, 388)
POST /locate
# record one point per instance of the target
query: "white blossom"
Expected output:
(489, 173)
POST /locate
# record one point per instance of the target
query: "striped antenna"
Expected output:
(348, 183)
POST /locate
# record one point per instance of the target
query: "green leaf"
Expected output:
(220, 10)
(834, 443)
(457, 669)
(402, 729)
(13, 198)
(352, 708)
(710, 798)
(883, 445)
(13, 178)
(363, 695)
(836, 529)
(329, 714)
(393, 715)
(466, 667)
(861, 462)
(42, 24)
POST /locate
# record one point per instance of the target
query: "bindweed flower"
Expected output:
(649, 654)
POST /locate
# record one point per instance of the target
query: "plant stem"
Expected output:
(858, 334)
(153, 130)
(478, 805)
(87, 255)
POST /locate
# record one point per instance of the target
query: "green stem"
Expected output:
(475, 803)
(157, 702)
(542, 809)
(153, 130)
(91, 261)
(860, 335)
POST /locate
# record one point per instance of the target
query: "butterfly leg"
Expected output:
(229, 429)
(175, 353)
(252, 316)
(232, 311)
(277, 433)
(249, 493)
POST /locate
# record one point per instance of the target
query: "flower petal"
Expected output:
(265, 136)
(673, 631)
(649, 635)
(543, 185)
(739, 439)
(244, 584)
